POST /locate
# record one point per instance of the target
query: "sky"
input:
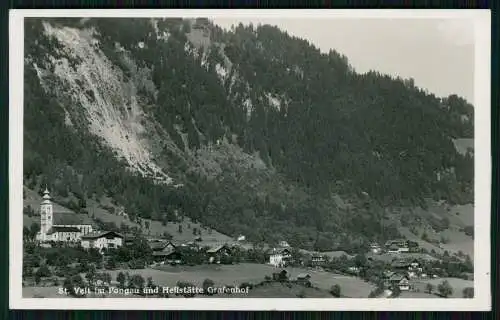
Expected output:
(437, 53)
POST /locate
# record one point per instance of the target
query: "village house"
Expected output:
(400, 265)
(166, 252)
(400, 281)
(353, 270)
(215, 255)
(280, 276)
(404, 249)
(397, 242)
(170, 257)
(375, 248)
(400, 246)
(280, 257)
(102, 240)
(61, 226)
(165, 246)
(304, 279)
(241, 238)
(415, 266)
(318, 260)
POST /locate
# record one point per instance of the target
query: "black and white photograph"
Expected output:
(250, 159)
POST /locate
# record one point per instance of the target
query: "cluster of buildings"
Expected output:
(72, 228)
(396, 246)
(174, 253)
(402, 272)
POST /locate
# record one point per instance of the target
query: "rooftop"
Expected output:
(101, 234)
(217, 249)
(397, 277)
(55, 229)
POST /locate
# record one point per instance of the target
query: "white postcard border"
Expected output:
(482, 245)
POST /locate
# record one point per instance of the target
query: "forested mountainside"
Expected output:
(249, 131)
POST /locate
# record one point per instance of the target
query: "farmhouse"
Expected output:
(174, 256)
(280, 257)
(401, 281)
(61, 226)
(102, 240)
(400, 246)
(353, 270)
(304, 279)
(415, 265)
(168, 252)
(397, 242)
(317, 260)
(218, 253)
(280, 276)
(162, 246)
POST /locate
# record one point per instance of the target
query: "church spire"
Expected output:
(46, 195)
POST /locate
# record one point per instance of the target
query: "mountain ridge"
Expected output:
(251, 130)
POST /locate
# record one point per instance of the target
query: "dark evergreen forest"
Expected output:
(340, 132)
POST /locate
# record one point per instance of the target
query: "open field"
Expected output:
(459, 217)
(235, 275)
(457, 284)
(255, 273)
(41, 292)
(278, 290)
(269, 290)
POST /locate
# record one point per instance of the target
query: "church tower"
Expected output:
(46, 213)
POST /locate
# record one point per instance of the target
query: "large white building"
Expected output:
(61, 226)
(102, 240)
(280, 258)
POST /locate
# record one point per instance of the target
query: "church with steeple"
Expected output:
(61, 226)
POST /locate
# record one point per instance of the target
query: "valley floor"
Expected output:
(231, 275)
(234, 275)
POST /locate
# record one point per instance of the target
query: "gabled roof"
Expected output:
(280, 251)
(56, 229)
(217, 249)
(166, 253)
(101, 234)
(71, 218)
(157, 245)
(397, 277)
(400, 264)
